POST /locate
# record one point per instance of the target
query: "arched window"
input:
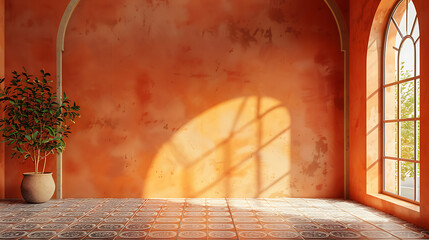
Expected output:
(401, 104)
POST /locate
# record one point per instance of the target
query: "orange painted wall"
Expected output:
(30, 37)
(204, 99)
(2, 52)
(362, 14)
(242, 100)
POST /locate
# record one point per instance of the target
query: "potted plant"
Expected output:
(34, 124)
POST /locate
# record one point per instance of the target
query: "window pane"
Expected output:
(407, 140)
(393, 41)
(411, 16)
(391, 176)
(390, 74)
(418, 58)
(418, 98)
(391, 139)
(418, 182)
(391, 102)
(406, 180)
(406, 59)
(399, 17)
(418, 141)
(406, 95)
(416, 31)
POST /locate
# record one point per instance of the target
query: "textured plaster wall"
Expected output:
(30, 37)
(2, 52)
(192, 98)
(242, 100)
(366, 48)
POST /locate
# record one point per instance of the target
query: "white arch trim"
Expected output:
(60, 49)
(344, 38)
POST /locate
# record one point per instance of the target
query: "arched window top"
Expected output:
(405, 20)
(401, 104)
(402, 43)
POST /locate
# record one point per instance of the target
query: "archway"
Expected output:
(231, 74)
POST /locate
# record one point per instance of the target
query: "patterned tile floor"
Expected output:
(196, 218)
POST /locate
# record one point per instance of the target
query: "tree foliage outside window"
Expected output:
(407, 101)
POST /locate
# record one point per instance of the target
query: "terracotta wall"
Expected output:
(30, 38)
(366, 49)
(192, 98)
(2, 52)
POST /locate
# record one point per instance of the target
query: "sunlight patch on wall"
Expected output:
(239, 148)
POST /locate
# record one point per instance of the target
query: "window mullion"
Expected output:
(415, 122)
(398, 116)
(400, 159)
(400, 120)
(401, 81)
(397, 27)
(406, 17)
(414, 24)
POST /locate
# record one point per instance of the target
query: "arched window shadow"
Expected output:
(246, 154)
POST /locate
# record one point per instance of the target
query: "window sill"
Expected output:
(399, 202)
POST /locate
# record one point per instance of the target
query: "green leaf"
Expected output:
(57, 138)
(51, 131)
(20, 149)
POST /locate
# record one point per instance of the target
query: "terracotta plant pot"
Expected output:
(37, 188)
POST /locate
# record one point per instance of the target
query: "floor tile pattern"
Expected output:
(198, 218)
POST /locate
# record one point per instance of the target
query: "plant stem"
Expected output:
(36, 165)
(44, 164)
(38, 158)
